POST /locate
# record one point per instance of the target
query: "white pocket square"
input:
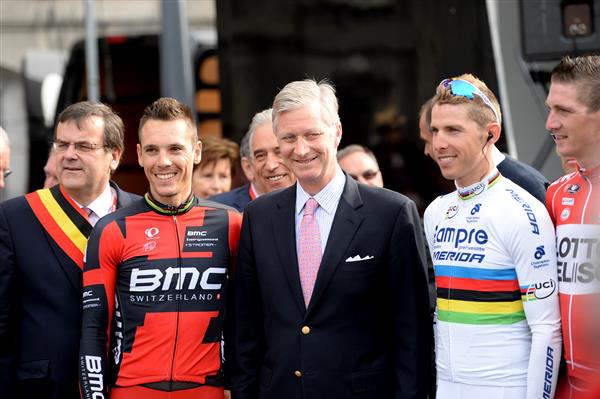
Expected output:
(357, 258)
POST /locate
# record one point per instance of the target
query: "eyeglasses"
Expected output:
(82, 147)
(465, 89)
(367, 174)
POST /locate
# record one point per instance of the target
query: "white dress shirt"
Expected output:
(328, 199)
(102, 205)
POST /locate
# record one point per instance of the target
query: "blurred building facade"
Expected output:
(36, 37)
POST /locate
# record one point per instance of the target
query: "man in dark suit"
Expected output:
(520, 173)
(42, 243)
(330, 294)
(261, 162)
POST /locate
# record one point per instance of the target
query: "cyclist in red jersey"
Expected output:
(155, 277)
(574, 205)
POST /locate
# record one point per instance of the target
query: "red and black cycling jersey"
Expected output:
(154, 295)
(574, 205)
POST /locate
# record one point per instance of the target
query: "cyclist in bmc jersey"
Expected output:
(574, 205)
(493, 250)
(155, 277)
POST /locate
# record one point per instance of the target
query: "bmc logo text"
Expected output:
(459, 236)
(93, 365)
(196, 233)
(152, 279)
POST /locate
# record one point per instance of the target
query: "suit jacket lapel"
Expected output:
(345, 224)
(123, 198)
(285, 239)
(69, 267)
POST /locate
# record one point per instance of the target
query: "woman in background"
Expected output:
(213, 174)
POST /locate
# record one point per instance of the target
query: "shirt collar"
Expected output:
(497, 156)
(328, 197)
(253, 193)
(102, 205)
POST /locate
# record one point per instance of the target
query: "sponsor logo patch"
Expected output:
(568, 201)
(198, 239)
(548, 373)
(573, 188)
(149, 246)
(451, 212)
(152, 232)
(460, 236)
(539, 290)
(565, 214)
(539, 252)
(475, 209)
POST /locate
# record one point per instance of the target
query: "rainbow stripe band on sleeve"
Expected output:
(470, 295)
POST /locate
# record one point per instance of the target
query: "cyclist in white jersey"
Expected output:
(494, 254)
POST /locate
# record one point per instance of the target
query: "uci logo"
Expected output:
(539, 252)
(541, 290)
(151, 232)
(475, 209)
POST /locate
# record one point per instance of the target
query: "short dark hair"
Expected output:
(584, 72)
(169, 109)
(113, 125)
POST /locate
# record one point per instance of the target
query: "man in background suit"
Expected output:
(42, 242)
(330, 294)
(261, 162)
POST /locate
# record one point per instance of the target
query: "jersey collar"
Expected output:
(592, 173)
(169, 209)
(466, 193)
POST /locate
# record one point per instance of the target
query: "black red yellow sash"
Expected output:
(64, 221)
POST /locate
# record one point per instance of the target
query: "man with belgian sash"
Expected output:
(43, 236)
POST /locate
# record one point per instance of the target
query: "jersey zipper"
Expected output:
(177, 287)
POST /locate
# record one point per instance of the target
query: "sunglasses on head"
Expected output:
(462, 88)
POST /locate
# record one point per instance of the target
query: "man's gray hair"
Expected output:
(302, 93)
(4, 137)
(259, 119)
(245, 146)
(352, 148)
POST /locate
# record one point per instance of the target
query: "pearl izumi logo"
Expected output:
(152, 232)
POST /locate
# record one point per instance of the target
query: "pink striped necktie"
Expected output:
(309, 249)
(89, 214)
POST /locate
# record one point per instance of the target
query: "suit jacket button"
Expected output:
(298, 373)
(306, 330)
